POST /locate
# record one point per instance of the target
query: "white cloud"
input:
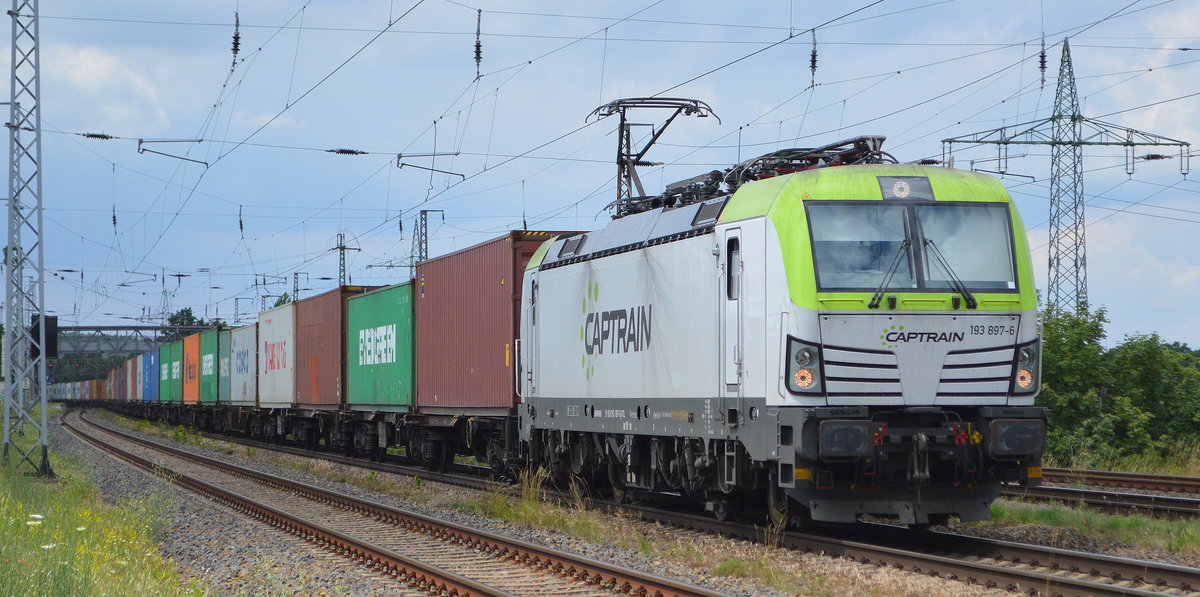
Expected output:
(96, 90)
(1136, 270)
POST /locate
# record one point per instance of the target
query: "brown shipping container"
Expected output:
(466, 306)
(321, 347)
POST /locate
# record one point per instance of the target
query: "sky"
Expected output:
(231, 197)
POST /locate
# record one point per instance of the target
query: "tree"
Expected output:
(1141, 395)
(85, 366)
(1162, 381)
(1073, 370)
(283, 299)
(185, 317)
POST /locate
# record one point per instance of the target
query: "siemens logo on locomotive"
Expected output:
(377, 346)
(619, 330)
(274, 356)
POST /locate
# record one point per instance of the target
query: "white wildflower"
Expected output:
(50, 546)
(81, 528)
(33, 522)
(37, 516)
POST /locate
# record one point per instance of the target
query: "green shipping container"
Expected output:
(379, 349)
(208, 366)
(223, 344)
(170, 359)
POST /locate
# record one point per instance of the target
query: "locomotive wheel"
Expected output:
(580, 454)
(779, 511)
(725, 509)
(620, 492)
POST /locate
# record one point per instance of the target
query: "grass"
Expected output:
(1171, 535)
(58, 538)
(529, 507)
(1181, 458)
(762, 569)
(180, 433)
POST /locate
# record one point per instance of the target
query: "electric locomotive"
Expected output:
(844, 335)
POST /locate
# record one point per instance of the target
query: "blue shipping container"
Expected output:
(150, 376)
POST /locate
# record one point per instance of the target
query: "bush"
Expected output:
(1139, 399)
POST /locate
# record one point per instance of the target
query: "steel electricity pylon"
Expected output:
(25, 345)
(1067, 132)
(420, 246)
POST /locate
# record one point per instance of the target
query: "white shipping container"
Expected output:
(243, 366)
(276, 357)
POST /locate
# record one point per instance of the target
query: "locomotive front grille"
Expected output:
(976, 373)
(856, 372)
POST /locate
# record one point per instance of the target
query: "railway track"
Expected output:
(1125, 480)
(469, 561)
(1110, 501)
(1029, 569)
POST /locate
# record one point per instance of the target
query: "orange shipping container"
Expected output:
(191, 369)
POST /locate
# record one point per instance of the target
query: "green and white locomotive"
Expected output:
(816, 330)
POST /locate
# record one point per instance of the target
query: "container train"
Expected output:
(815, 330)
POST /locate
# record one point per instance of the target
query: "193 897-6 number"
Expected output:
(993, 330)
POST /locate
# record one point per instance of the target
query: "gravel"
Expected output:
(227, 553)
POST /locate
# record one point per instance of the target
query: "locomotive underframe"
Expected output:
(917, 464)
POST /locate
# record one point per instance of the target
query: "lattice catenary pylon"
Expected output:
(24, 348)
(1067, 132)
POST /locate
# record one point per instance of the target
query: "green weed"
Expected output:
(760, 569)
(1173, 535)
(57, 538)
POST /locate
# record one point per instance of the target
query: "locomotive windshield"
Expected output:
(856, 244)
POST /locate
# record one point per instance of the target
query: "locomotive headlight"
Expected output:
(845, 439)
(1027, 368)
(804, 357)
(1025, 356)
(803, 375)
(1013, 438)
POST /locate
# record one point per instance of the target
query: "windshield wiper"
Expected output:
(887, 278)
(954, 281)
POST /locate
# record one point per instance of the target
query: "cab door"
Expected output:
(731, 314)
(527, 344)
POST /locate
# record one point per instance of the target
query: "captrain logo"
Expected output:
(614, 331)
(896, 335)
